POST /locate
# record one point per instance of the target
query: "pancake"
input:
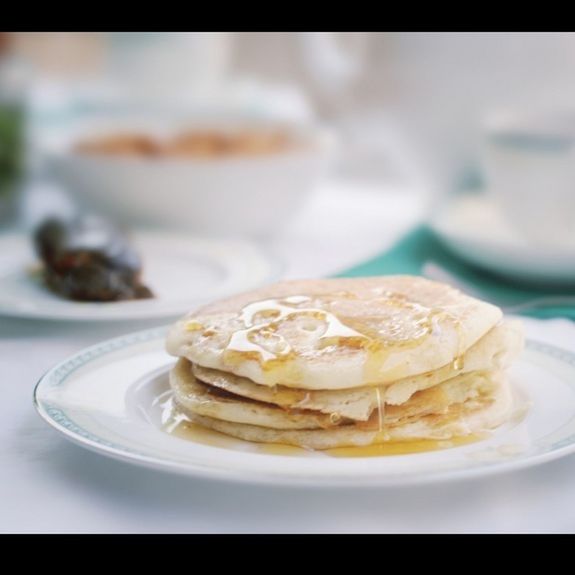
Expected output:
(355, 403)
(345, 362)
(334, 334)
(495, 350)
(196, 397)
(474, 417)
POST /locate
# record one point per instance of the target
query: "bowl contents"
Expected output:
(120, 144)
(345, 365)
(88, 259)
(198, 143)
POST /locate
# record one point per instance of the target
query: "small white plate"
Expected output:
(105, 399)
(473, 227)
(179, 269)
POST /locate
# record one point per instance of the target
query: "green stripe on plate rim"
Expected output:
(57, 375)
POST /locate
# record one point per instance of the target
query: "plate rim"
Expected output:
(84, 438)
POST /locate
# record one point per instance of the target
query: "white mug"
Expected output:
(530, 169)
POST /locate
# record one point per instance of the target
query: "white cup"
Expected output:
(530, 170)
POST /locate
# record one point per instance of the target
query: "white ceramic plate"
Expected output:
(180, 269)
(473, 227)
(103, 399)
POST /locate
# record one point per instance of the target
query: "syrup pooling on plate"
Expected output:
(377, 449)
(176, 422)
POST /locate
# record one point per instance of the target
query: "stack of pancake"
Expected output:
(345, 362)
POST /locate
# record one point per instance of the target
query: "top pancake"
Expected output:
(334, 333)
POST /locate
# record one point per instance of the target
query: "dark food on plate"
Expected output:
(197, 143)
(88, 259)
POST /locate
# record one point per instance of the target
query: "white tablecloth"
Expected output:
(50, 485)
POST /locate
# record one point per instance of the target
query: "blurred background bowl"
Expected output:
(247, 194)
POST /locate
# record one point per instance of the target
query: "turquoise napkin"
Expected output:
(420, 245)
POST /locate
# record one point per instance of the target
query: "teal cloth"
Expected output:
(420, 245)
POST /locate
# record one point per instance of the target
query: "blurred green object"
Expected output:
(11, 147)
(420, 246)
(13, 82)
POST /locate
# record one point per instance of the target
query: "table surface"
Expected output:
(50, 485)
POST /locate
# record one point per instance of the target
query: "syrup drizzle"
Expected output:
(263, 318)
(267, 326)
(380, 408)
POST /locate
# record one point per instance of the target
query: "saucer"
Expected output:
(473, 227)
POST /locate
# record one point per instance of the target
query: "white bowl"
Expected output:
(249, 195)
